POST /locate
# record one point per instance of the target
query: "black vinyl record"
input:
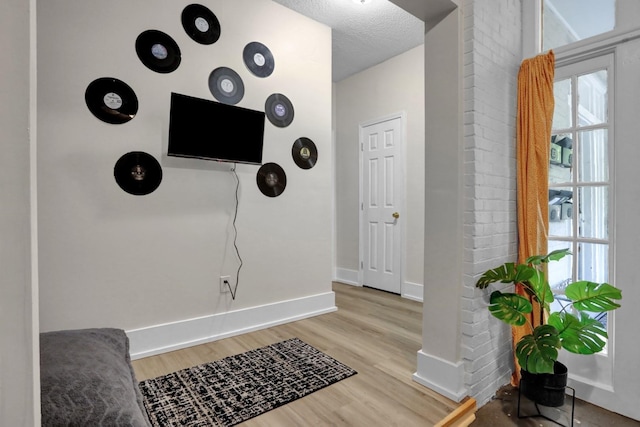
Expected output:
(201, 24)
(138, 173)
(258, 59)
(304, 152)
(111, 100)
(279, 110)
(158, 51)
(271, 179)
(226, 85)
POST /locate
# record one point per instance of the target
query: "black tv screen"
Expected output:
(210, 130)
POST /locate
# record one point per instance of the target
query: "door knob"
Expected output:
(396, 215)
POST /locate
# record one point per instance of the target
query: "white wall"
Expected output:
(439, 366)
(108, 258)
(18, 289)
(397, 85)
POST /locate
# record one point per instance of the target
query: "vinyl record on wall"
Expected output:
(271, 179)
(258, 59)
(304, 152)
(201, 24)
(279, 110)
(226, 85)
(111, 100)
(138, 173)
(158, 51)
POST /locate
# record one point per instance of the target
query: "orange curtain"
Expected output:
(535, 116)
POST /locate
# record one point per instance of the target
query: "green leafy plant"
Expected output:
(570, 328)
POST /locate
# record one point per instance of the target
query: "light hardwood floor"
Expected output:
(376, 333)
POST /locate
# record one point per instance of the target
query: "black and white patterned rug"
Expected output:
(237, 388)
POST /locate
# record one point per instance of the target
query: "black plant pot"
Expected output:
(545, 389)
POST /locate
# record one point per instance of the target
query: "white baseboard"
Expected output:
(413, 291)
(349, 277)
(441, 376)
(158, 339)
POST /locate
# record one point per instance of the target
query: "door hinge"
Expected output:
(362, 146)
(361, 265)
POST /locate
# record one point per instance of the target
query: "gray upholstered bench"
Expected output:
(87, 379)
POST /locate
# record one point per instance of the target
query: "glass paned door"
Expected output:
(579, 181)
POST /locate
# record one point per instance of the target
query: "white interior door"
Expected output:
(381, 203)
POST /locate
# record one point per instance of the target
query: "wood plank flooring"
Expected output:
(376, 333)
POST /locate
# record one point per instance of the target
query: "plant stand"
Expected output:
(540, 414)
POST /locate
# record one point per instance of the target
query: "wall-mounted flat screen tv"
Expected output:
(204, 129)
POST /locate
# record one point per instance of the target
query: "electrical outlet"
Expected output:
(225, 285)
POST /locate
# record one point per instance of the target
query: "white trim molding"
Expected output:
(441, 376)
(166, 337)
(349, 277)
(413, 291)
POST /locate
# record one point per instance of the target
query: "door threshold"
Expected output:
(381, 290)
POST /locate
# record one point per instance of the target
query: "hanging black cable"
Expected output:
(235, 236)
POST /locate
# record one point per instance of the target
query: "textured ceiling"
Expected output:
(363, 34)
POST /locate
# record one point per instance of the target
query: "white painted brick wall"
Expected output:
(491, 56)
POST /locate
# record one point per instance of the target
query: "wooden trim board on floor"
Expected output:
(462, 416)
(376, 333)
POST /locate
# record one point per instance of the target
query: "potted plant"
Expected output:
(543, 377)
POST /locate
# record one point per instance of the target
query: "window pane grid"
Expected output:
(565, 22)
(579, 182)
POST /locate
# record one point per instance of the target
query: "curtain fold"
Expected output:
(534, 120)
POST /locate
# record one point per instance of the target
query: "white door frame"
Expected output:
(403, 141)
(596, 370)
